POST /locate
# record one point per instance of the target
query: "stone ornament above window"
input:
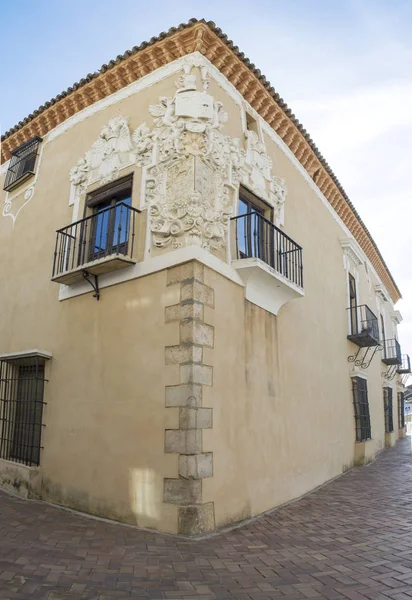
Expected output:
(191, 170)
(258, 176)
(111, 152)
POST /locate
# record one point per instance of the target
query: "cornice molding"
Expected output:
(396, 317)
(209, 40)
(381, 292)
(351, 251)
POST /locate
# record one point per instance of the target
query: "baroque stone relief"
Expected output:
(191, 170)
(258, 176)
(112, 151)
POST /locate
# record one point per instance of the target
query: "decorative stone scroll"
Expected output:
(14, 204)
(112, 151)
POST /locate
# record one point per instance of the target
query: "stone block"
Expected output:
(189, 270)
(20, 479)
(364, 452)
(197, 291)
(186, 441)
(182, 491)
(178, 312)
(195, 332)
(195, 520)
(390, 439)
(187, 394)
(185, 353)
(196, 466)
(200, 374)
(195, 418)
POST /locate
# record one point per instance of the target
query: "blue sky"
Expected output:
(344, 67)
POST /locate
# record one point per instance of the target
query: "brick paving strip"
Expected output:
(349, 540)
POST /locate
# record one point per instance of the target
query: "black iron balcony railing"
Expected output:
(364, 327)
(257, 237)
(392, 354)
(405, 367)
(102, 242)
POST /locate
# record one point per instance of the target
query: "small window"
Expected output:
(388, 408)
(22, 163)
(401, 410)
(21, 409)
(361, 406)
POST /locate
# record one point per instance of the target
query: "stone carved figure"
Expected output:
(278, 193)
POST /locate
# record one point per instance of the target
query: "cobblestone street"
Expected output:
(351, 539)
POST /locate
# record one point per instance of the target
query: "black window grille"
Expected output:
(21, 409)
(22, 163)
(361, 406)
(388, 407)
(401, 410)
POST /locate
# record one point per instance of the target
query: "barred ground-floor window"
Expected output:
(21, 408)
(401, 410)
(361, 407)
(388, 408)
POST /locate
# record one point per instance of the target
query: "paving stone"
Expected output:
(349, 540)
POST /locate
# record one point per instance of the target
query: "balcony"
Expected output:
(391, 352)
(363, 326)
(268, 261)
(405, 366)
(95, 245)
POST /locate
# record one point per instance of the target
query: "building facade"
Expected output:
(196, 325)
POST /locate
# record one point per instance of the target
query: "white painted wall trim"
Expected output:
(27, 354)
(154, 265)
(357, 372)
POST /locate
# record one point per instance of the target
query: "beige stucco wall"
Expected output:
(281, 394)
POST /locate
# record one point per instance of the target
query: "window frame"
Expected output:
(353, 304)
(30, 162)
(363, 429)
(388, 409)
(22, 390)
(401, 410)
(113, 193)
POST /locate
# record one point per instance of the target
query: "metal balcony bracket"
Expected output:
(94, 283)
(354, 357)
(389, 375)
(365, 360)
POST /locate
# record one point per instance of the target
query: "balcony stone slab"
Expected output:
(264, 286)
